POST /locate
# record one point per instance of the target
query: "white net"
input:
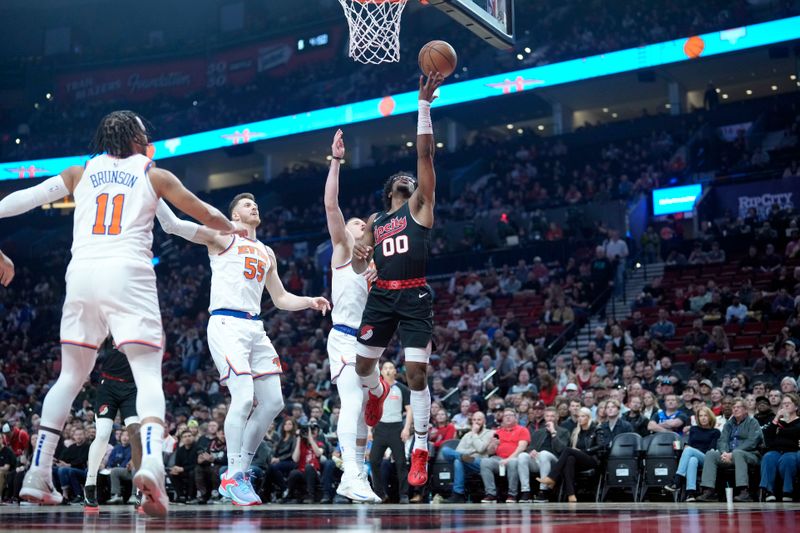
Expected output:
(374, 29)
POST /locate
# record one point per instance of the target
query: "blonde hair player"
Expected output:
(349, 292)
(111, 287)
(241, 267)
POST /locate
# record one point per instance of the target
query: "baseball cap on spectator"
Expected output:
(192, 424)
(6, 428)
(537, 259)
(707, 383)
(538, 404)
(790, 342)
(571, 386)
(762, 399)
(666, 381)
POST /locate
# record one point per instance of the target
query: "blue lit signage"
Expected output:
(676, 199)
(709, 44)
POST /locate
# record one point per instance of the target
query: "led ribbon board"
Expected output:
(653, 55)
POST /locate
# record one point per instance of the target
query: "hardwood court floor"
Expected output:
(509, 518)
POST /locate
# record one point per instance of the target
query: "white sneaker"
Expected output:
(37, 487)
(357, 489)
(149, 479)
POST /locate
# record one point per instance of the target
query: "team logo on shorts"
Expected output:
(366, 333)
(103, 410)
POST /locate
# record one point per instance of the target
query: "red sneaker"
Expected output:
(374, 409)
(418, 473)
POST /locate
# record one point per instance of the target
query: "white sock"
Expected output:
(270, 403)
(98, 448)
(242, 391)
(421, 407)
(152, 442)
(234, 464)
(45, 449)
(352, 398)
(372, 382)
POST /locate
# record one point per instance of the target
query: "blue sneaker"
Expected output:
(239, 490)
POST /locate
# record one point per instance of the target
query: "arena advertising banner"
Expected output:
(231, 67)
(736, 199)
(240, 65)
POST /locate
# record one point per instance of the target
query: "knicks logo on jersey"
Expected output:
(393, 227)
(366, 332)
(252, 250)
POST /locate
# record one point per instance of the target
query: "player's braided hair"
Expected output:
(117, 132)
(387, 188)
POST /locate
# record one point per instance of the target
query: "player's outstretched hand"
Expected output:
(239, 229)
(320, 304)
(362, 251)
(6, 270)
(428, 87)
(337, 148)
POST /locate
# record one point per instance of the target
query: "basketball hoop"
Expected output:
(374, 29)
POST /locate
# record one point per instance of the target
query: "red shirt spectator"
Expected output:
(442, 431)
(510, 438)
(16, 439)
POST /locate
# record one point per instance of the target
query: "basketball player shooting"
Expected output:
(111, 287)
(241, 267)
(349, 293)
(401, 298)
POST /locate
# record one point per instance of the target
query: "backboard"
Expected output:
(491, 20)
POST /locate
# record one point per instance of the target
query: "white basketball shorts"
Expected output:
(241, 346)
(341, 352)
(111, 296)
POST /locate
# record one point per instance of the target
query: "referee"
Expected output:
(391, 432)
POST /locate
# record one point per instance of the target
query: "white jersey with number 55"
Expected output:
(114, 208)
(238, 275)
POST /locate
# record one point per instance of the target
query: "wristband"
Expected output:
(424, 123)
(337, 157)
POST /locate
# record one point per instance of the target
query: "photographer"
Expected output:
(309, 453)
(209, 461)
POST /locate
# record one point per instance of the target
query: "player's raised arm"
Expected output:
(336, 225)
(421, 202)
(6, 270)
(362, 252)
(168, 186)
(286, 300)
(46, 192)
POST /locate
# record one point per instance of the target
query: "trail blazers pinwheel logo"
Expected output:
(519, 84)
(27, 172)
(244, 136)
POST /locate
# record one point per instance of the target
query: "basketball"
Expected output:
(693, 47)
(438, 56)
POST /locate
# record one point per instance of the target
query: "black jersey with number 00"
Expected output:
(401, 245)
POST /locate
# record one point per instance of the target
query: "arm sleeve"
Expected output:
(19, 202)
(173, 225)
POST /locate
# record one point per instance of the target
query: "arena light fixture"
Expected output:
(774, 87)
(749, 92)
(498, 85)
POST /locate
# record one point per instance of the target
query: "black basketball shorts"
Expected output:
(113, 396)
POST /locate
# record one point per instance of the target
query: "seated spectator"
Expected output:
(210, 459)
(536, 416)
(441, 431)
(461, 420)
(634, 416)
(582, 454)
(282, 463)
(614, 424)
(670, 418)
(782, 438)
(570, 422)
(738, 446)
(700, 300)
(663, 329)
(72, 463)
(8, 465)
(764, 413)
(513, 439)
(719, 341)
(563, 314)
(523, 384)
(637, 328)
(702, 438)
(770, 261)
(472, 448)
(457, 323)
(546, 444)
(120, 466)
(736, 312)
(698, 256)
(547, 389)
(309, 454)
(782, 305)
(181, 467)
(716, 254)
(697, 338)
